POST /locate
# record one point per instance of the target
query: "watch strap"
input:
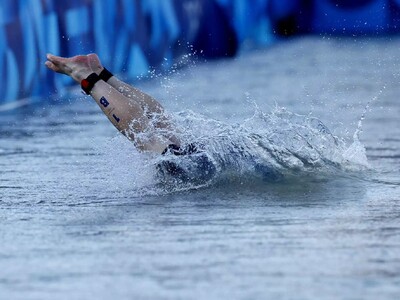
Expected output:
(105, 75)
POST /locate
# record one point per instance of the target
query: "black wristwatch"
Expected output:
(88, 83)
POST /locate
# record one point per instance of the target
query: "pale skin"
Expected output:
(135, 114)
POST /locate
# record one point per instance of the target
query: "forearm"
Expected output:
(132, 112)
(128, 118)
(125, 116)
(153, 110)
(149, 104)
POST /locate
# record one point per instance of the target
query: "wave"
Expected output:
(271, 147)
(268, 147)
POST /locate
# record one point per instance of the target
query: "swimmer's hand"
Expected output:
(94, 63)
(77, 67)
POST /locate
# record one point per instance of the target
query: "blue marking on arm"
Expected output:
(116, 118)
(104, 102)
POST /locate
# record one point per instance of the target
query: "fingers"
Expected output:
(56, 60)
(56, 63)
(53, 67)
(50, 65)
(67, 66)
(52, 57)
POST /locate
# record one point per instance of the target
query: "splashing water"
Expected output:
(271, 147)
(356, 155)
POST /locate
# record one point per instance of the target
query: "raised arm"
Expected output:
(148, 103)
(135, 114)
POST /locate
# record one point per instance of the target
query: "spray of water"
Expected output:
(267, 147)
(355, 155)
(270, 146)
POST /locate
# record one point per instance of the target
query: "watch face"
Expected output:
(88, 83)
(85, 84)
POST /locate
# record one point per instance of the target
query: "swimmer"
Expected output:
(138, 116)
(130, 110)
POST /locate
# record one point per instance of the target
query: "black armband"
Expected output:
(88, 83)
(105, 75)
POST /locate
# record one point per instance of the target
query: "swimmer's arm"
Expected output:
(149, 104)
(127, 117)
(151, 107)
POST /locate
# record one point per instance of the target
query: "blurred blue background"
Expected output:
(84, 215)
(135, 36)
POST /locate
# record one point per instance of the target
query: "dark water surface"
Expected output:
(82, 218)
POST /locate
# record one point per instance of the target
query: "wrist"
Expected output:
(78, 76)
(88, 83)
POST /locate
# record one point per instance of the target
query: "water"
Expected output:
(82, 216)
